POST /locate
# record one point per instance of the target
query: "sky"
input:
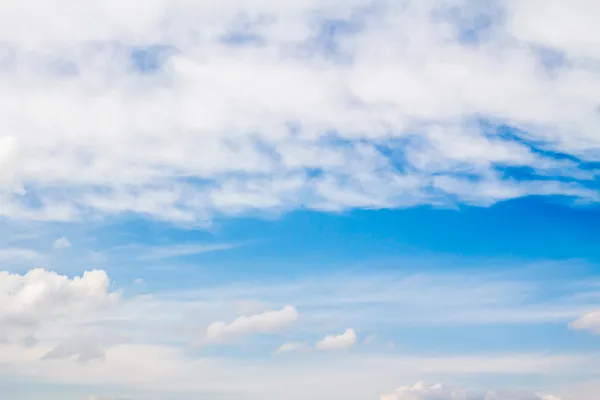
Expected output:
(334, 199)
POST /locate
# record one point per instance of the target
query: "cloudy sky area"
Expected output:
(328, 199)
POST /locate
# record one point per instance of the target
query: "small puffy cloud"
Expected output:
(423, 391)
(61, 243)
(268, 322)
(590, 322)
(332, 342)
(292, 347)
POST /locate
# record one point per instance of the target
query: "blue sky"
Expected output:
(422, 282)
(306, 199)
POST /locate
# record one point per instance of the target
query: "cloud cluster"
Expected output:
(39, 297)
(188, 109)
(146, 351)
(423, 391)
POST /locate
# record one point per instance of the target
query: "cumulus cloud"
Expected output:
(423, 391)
(61, 243)
(268, 322)
(336, 342)
(40, 296)
(193, 109)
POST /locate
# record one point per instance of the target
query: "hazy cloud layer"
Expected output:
(423, 391)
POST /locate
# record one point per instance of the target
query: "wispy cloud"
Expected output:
(267, 322)
(156, 253)
(61, 243)
(19, 254)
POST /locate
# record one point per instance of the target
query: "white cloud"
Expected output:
(9, 160)
(267, 322)
(332, 342)
(589, 321)
(423, 391)
(292, 347)
(62, 243)
(31, 301)
(291, 121)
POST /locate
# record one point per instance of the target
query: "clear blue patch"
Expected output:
(472, 22)
(551, 60)
(150, 59)
(330, 33)
(326, 42)
(63, 68)
(473, 33)
(242, 39)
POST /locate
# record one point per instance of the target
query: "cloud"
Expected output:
(292, 347)
(9, 160)
(18, 254)
(423, 391)
(268, 322)
(38, 297)
(332, 342)
(84, 348)
(168, 371)
(62, 243)
(185, 113)
(180, 250)
(159, 325)
(589, 321)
